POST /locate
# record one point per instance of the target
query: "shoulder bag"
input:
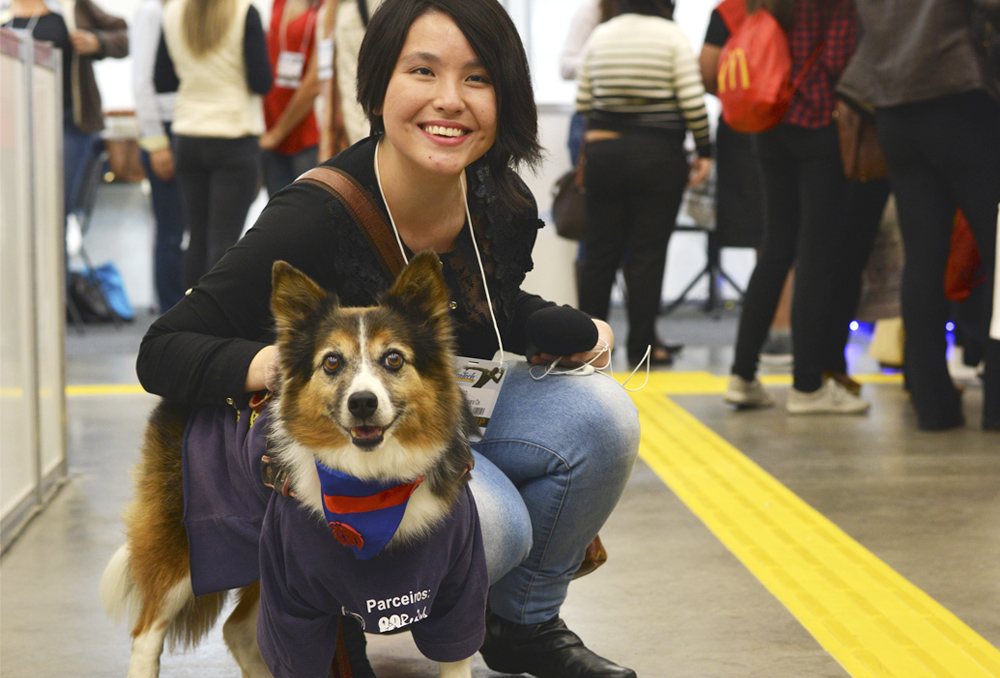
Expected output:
(569, 202)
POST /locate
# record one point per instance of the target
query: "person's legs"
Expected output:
(777, 252)
(503, 518)
(821, 185)
(607, 225)
(969, 156)
(167, 253)
(658, 176)
(235, 182)
(303, 161)
(192, 177)
(77, 148)
(568, 445)
(865, 203)
(925, 212)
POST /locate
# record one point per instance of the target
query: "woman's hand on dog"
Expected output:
(263, 371)
(602, 350)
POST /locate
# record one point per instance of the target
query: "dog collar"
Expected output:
(363, 514)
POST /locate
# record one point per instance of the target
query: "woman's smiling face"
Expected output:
(440, 109)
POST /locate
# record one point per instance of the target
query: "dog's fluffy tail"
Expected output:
(117, 589)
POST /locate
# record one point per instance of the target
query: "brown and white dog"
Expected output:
(369, 393)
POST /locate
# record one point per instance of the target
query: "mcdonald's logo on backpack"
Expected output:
(733, 71)
(754, 74)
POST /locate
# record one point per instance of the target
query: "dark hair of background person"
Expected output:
(663, 8)
(782, 10)
(494, 38)
(609, 8)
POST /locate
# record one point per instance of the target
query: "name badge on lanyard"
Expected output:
(290, 68)
(481, 381)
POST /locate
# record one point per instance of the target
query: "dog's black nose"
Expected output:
(362, 404)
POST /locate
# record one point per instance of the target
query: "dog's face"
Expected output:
(370, 390)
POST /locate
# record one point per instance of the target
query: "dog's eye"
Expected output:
(393, 360)
(331, 363)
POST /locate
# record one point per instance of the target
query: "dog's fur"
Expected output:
(400, 352)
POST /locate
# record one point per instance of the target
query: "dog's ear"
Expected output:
(420, 288)
(294, 297)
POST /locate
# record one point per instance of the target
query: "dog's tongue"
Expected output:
(366, 431)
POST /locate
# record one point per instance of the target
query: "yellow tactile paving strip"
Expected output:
(868, 617)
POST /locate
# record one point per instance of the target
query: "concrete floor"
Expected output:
(672, 600)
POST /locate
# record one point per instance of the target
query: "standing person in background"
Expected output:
(155, 113)
(641, 90)
(804, 186)
(739, 202)
(213, 54)
(937, 112)
(84, 33)
(344, 122)
(291, 143)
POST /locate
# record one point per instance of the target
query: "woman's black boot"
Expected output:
(546, 650)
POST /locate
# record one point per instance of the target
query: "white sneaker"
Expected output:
(743, 393)
(831, 398)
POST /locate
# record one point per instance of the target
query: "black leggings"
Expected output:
(943, 154)
(218, 180)
(634, 189)
(805, 206)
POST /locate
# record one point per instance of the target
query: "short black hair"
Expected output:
(494, 38)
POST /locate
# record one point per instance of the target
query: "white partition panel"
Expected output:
(32, 281)
(50, 263)
(17, 402)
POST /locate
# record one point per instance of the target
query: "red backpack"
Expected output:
(755, 74)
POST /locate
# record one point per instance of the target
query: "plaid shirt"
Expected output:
(835, 22)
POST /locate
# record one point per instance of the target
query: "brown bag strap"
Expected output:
(360, 204)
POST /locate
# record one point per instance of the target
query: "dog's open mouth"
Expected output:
(367, 436)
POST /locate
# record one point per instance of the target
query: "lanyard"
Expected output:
(283, 28)
(472, 232)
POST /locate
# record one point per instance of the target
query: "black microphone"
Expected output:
(560, 330)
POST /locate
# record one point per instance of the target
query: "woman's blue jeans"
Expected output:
(550, 469)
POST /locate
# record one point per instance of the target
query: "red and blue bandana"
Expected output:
(363, 514)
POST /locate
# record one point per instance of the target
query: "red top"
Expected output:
(299, 36)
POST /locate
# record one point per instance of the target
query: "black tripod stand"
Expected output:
(712, 270)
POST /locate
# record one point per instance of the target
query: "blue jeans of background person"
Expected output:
(219, 179)
(281, 170)
(634, 189)
(804, 189)
(167, 253)
(577, 127)
(942, 154)
(77, 149)
(564, 448)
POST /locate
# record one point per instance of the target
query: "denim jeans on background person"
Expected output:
(566, 446)
(167, 253)
(281, 170)
(804, 211)
(219, 179)
(78, 147)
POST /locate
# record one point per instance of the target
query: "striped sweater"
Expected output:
(640, 71)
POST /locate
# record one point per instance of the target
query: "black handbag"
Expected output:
(569, 204)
